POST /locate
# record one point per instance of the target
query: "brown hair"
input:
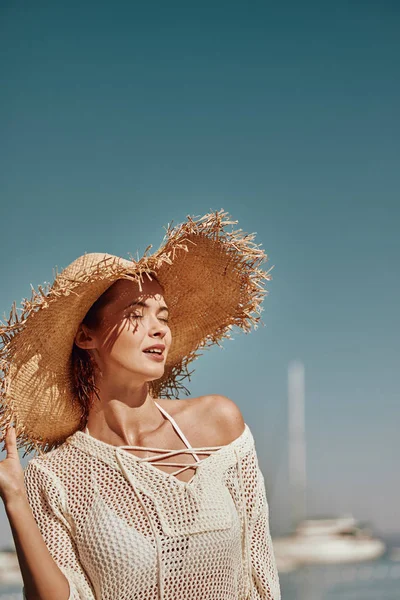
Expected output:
(83, 365)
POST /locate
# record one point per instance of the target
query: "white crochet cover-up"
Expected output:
(121, 528)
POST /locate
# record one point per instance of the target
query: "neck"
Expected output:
(123, 414)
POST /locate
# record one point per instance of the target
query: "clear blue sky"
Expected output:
(118, 117)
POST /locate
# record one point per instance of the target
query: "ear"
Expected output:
(84, 338)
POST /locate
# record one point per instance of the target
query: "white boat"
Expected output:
(320, 540)
(329, 541)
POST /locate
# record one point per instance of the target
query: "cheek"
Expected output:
(128, 338)
(131, 337)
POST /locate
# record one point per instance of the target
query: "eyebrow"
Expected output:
(138, 303)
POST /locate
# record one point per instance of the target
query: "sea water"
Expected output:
(371, 580)
(377, 581)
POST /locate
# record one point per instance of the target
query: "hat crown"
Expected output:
(89, 263)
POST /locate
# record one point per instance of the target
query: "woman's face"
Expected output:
(130, 322)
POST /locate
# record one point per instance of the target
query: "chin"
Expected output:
(156, 372)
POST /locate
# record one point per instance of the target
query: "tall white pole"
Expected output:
(297, 448)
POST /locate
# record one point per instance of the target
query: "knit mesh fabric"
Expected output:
(123, 529)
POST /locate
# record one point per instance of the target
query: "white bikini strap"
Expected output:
(174, 424)
(177, 429)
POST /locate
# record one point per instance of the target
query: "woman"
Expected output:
(103, 511)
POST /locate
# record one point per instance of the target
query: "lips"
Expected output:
(154, 356)
(158, 355)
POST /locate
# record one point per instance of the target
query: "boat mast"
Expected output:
(297, 448)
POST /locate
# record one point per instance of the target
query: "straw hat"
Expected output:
(212, 281)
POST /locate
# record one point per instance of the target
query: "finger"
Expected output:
(10, 443)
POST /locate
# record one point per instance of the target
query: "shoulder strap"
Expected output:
(175, 425)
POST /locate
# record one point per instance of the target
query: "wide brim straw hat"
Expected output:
(212, 281)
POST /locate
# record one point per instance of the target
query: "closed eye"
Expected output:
(140, 316)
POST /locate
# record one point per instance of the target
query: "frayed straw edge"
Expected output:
(210, 225)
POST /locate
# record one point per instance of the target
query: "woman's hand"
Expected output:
(12, 483)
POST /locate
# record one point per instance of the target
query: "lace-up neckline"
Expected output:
(166, 453)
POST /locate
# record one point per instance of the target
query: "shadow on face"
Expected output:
(122, 323)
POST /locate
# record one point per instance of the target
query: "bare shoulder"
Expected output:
(224, 416)
(212, 419)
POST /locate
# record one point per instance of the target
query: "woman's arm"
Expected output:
(262, 559)
(48, 503)
(43, 580)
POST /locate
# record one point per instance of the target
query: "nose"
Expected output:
(157, 328)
